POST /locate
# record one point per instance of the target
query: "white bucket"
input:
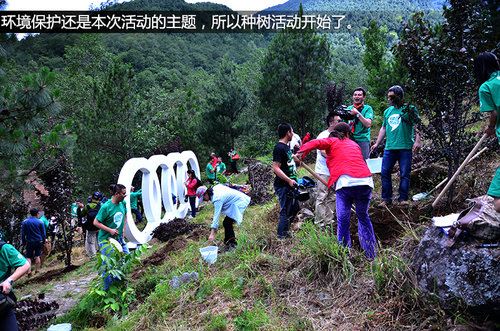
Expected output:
(60, 327)
(209, 254)
(375, 165)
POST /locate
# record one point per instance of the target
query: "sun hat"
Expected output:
(200, 191)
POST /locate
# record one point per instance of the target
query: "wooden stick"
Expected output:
(311, 171)
(467, 159)
(446, 179)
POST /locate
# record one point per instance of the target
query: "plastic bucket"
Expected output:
(209, 254)
(60, 327)
(375, 165)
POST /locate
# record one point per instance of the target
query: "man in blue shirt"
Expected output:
(33, 236)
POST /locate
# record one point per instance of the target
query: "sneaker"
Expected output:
(404, 203)
(284, 236)
(385, 203)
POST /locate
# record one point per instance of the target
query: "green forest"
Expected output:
(97, 100)
(76, 107)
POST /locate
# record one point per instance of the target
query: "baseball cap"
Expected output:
(200, 191)
(96, 196)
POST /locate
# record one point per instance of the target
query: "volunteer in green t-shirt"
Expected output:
(211, 171)
(221, 167)
(10, 260)
(399, 122)
(111, 219)
(134, 197)
(487, 71)
(363, 116)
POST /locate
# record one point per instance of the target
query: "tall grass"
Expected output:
(327, 253)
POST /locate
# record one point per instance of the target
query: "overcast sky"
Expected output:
(239, 5)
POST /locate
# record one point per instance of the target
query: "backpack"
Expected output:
(88, 223)
(239, 187)
(198, 184)
(480, 220)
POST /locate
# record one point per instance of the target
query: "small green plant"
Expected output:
(388, 272)
(118, 296)
(217, 323)
(325, 250)
(255, 319)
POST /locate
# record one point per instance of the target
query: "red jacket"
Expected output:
(343, 157)
(191, 186)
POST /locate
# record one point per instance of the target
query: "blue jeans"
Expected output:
(138, 215)
(289, 207)
(365, 149)
(403, 156)
(361, 196)
(103, 246)
(8, 320)
(192, 203)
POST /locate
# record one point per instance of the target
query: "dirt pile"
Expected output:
(260, 177)
(174, 228)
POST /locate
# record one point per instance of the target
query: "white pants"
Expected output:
(325, 203)
(91, 243)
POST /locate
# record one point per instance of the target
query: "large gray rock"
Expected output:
(462, 271)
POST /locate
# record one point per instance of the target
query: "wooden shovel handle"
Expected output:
(459, 170)
(311, 171)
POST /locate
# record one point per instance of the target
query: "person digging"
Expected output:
(229, 202)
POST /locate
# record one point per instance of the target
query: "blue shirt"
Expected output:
(33, 230)
(229, 202)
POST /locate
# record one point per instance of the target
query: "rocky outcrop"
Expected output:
(464, 271)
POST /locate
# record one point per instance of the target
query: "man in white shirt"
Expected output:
(325, 201)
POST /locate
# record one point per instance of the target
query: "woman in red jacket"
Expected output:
(191, 184)
(352, 181)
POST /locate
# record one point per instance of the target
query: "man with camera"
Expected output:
(360, 125)
(286, 177)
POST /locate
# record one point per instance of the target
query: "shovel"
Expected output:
(467, 159)
(425, 195)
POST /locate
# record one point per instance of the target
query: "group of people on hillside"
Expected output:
(345, 145)
(341, 153)
(216, 168)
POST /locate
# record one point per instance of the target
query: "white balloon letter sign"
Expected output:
(156, 193)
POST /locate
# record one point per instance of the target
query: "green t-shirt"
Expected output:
(221, 167)
(45, 221)
(113, 216)
(134, 196)
(399, 127)
(210, 175)
(74, 210)
(9, 257)
(489, 97)
(361, 132)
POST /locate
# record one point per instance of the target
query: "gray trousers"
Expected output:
(91, 243)
(325, 203)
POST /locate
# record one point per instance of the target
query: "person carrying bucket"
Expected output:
(229, 202)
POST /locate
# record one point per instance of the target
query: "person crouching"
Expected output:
(229, 202)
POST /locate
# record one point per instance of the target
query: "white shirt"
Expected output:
(348, 181)
(296, 141)
(320, 166)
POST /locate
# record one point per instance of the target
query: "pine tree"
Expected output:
(294, 77)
